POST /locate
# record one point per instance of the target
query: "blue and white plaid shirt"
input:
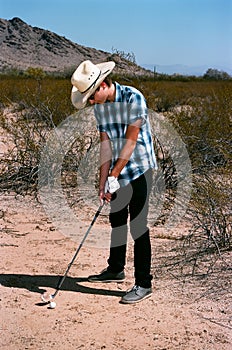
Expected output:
(114, 118)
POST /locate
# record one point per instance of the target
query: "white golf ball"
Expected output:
(52, 305)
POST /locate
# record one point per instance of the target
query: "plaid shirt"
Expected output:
(113, 118)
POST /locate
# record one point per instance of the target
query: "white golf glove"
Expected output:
(112, 184)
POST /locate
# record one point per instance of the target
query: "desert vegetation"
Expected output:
(33, 104)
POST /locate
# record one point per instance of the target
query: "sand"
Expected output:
(193, 314)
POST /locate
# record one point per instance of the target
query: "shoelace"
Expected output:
(134, 288)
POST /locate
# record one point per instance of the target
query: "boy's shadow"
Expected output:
(37, 284)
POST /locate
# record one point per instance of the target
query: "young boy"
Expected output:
(127, 158)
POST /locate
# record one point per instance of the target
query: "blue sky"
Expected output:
(159, 32)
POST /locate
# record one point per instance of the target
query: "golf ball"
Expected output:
(52, 305)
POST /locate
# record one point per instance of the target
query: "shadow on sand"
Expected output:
(37, 284)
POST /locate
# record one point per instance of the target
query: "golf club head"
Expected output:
(46, 297)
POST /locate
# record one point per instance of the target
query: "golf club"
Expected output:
(49, 297)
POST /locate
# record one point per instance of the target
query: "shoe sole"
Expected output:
(135, 301)
(106, 281)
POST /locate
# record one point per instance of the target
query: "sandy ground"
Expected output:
(188, 314)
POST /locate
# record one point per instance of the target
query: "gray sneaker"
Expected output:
(136, 294)
(107, 276)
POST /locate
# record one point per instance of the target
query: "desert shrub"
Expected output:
(26, 130)
(30, 109)
(205, 127)
(206, 248)
(128, 56)
(215, 74)
(163, 96)
(211, 209)
(50, 93)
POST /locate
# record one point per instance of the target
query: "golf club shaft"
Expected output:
(61, 281)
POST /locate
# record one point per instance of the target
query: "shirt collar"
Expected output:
(118, 93)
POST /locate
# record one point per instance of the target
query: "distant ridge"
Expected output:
(23, 46)
(184, 69)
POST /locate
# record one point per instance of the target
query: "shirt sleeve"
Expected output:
(137, 109)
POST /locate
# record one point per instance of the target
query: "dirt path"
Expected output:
(89, 316)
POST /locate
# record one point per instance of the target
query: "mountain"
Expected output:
(184, 69)
(23, 46)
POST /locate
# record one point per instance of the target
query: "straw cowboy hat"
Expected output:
(86, 79)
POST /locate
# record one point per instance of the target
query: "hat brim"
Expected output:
(79, 99)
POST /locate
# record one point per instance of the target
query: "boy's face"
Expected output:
(100, 95)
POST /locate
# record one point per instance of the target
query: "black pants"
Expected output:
(132, 201)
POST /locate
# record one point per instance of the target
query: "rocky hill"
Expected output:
(23, 46)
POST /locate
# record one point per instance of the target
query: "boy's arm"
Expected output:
(105, 162)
